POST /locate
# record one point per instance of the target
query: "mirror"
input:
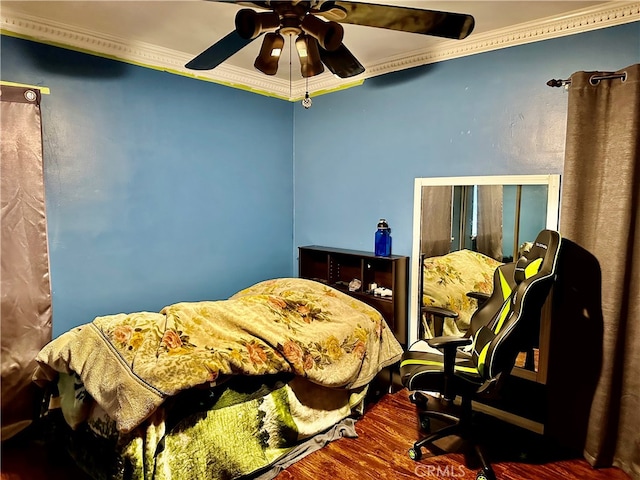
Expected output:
(493, 215)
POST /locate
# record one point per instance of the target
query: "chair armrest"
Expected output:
(439, 312)
(447, 342)
(479, 296)
(449, 346)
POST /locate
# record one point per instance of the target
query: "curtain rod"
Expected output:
(594, 79)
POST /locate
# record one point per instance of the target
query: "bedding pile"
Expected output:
(215, 389)
(447, 279)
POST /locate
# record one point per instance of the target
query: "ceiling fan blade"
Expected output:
(219, 52)
(262, 4)
(341, 62)
(405, 19)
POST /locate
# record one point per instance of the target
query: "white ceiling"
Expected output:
(167, 34)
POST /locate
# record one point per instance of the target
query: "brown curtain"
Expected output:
(490, 221)
(601, 214)
(435, 228)
(26, 294)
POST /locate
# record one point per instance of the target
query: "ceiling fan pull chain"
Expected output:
(306, 102)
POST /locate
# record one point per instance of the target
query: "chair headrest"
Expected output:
(543, 250)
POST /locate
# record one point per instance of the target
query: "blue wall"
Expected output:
(358, 151)
(160, 188)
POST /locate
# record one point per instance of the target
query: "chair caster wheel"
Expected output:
(419, 400)
(425, 423)
(415, 454)
(486, 474)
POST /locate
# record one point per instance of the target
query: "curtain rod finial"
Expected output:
(556, 83)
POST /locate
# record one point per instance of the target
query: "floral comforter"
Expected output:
(250, 427)
(448, 278)
(131, 363)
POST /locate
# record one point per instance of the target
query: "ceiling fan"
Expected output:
(319, 41)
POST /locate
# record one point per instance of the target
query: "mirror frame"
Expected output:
(553, 216)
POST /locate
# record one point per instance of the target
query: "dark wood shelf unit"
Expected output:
(337, 267)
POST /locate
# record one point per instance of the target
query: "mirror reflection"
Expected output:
(495, 216)
(494, 220)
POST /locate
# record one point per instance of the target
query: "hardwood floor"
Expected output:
(390, 427)
(386, 432)
(26, 459)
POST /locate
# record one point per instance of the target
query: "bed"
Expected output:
(227, 389)
(447, 279)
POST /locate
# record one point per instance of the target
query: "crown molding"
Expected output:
(579, 21)
(151, 56)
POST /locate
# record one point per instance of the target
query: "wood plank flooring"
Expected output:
(30, 460)
(386, 432)
(389, 429)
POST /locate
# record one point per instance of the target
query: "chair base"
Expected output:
(459, 426)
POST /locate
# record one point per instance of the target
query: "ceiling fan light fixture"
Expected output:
(328, 34)
(250, 24)
(318, 26)
(309, 55)
(267, 60)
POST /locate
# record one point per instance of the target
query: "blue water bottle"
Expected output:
(383, 239)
